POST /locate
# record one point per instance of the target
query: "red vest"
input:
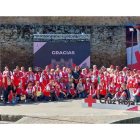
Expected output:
(120, 93)
(102, 89)
(112, 89)
(72, 91)
(93, 92)
(120, 80)
(66, 77)
(135, 90)
(24, 81)
(47, 93)
(19, 91)
(43, 83)
(87, 87)
(57, 91)
(6, 81)
(52, 78)
(37, 77)
(16, 80)
(10, 97)
(63, 87)
(37, 88)
(130, 83)
(83, 76)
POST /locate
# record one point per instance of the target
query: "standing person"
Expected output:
(7, 69)
(22, 71)
(102, 90)
(136, 92)
(120, 79)
(75, 76)
(94, 79)
(95, 69)
(118, 70)
(46, 69)
(87, 87)
(83, 76)
(1, 87)
(7, 86)
(37, 74)
(43, 81)
(30, 76)
(57, 76)
(64, 76)
(24, 81)
(15, 79)
(80, 89)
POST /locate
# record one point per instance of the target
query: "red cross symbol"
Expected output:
(90, 100)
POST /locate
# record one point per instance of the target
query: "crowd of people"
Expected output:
(58, 84)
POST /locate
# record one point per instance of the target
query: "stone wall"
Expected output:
(107, 39)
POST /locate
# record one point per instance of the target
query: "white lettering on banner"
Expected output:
(63, 52)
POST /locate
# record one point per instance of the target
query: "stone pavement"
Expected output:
(67, 112)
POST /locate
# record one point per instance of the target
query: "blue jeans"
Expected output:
(67, 85)
(40, 97)
(137, 99)
(46, 98)
(82, 94)
(61, 96)
(128, 94)
(6, 93)
(13, 101)
(28, 96)
(109, 95)
(123, 98)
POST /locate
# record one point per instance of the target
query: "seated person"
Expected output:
(37, 91)
(49, 92)
(93, 91)
(121, 94)
(60, 94)
(102, 90)
(20, 94)
(112, 89)
(72, 91)
(80, 89)
(63, 86)
(30, 96)
(11, 97)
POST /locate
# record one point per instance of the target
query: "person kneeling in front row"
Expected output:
(72, 91)
(121, 94)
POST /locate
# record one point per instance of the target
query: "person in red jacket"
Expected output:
(15, 78)
(60, 94)
(20, 93)
(87, 87)
(37, 89)
(112, 89)
(121, 94)
(63, 86)
(136, 92)
(93, 91)
(102, 90)
(24, 81)
(72, 91)
(11, 97)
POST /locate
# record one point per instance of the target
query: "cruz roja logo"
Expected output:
(63, 52)
(105, 101)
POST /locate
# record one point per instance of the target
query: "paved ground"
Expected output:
(67, 111)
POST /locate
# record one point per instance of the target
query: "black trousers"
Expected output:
(6, 93)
